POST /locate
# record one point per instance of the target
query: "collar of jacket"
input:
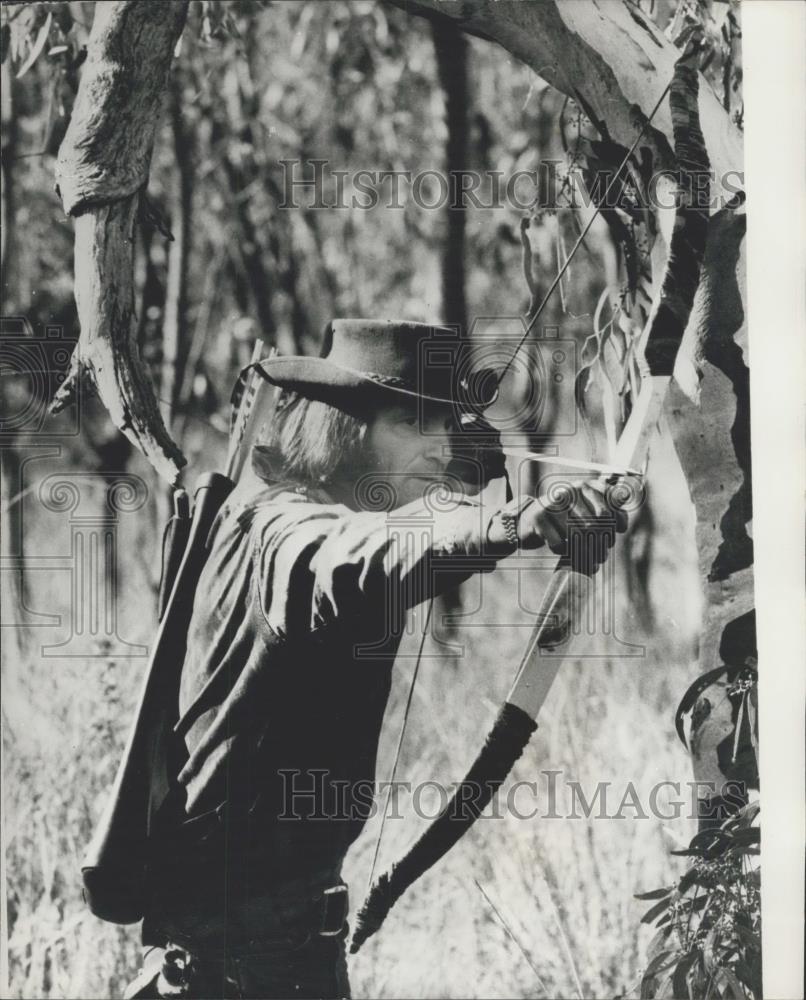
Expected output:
(267, 466)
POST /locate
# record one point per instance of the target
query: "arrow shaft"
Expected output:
(600, 468)
(568, 591)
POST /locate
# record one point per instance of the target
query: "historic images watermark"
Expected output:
(413, 540)
(315, 794)
(542, 378)
(33, 364)
(33, 367)
(318, 184)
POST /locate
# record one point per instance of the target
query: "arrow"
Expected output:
(565, 599)
(571, 463)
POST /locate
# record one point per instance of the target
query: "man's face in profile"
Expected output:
(408, 445)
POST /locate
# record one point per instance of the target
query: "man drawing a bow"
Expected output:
(296, 621)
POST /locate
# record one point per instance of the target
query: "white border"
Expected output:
(774, 58)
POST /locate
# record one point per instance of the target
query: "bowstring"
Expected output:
(532, 318)
(400, 742)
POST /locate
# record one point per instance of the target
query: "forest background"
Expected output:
(364, 87)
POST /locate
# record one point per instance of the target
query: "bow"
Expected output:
(566, 594)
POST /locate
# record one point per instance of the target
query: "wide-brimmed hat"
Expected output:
(373, 359)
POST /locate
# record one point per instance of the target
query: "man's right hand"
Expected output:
(586, 510)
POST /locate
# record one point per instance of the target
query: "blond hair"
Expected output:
(312, 442)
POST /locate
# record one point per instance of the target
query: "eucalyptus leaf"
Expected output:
(680, 985)
(708, 957)
(749, 835)
(749, 976)
(727, 977)
(654, 893)
(37, 47)
(656, 910)
(687, 880)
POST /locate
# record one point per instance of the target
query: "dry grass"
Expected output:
(564, 887)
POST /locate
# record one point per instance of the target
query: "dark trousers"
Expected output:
(315, 970)
(289, 943)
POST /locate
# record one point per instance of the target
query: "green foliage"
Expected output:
(708, 942)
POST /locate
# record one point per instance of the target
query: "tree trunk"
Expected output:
(609, 56)
(174, 327)
(101, 170)
(612, 60)
(450, 47)
(9, 289)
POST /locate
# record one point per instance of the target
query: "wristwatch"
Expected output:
(509, 521)
(510, 517)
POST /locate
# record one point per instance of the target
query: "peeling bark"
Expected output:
(101, 170)
(612, 60)
(608, 54)
(107, 149)
(106, 355)
(712, 431)
(174, 331)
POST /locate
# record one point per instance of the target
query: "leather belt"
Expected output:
(292, 922)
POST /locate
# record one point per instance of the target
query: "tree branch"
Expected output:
(101, 169)
(608, 56)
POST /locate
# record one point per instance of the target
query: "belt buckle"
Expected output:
(336, 906)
